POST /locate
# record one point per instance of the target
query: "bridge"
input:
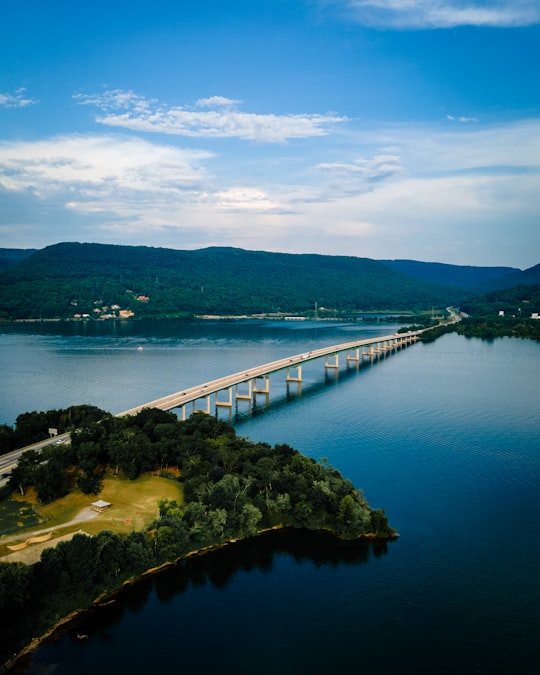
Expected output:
(253, 381)
(248, 384)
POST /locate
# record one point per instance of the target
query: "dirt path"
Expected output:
(85, 514)
(32, 554)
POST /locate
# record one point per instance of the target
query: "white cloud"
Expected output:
(15, 100)
(430, 14)
(215, 102)
(101, 174)
(390, 191)
(131, 111)
(462, 118)
(247, 199)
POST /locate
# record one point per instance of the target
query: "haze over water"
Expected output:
(444, 436)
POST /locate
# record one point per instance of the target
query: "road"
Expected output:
(10, 459)
(193, 393)
(178, 399)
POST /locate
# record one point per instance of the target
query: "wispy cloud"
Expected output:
(461, 118)
(17, 99)
(360, 174)
(430, 14)
(220, 118)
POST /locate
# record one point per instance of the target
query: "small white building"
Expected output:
(100, 506)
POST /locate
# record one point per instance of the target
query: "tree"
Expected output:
(353, 517)
(7, 439)
(51, 481)
(14, 588)
(91, 477)
(110, 560)
(136, 553)
(166, 544)
(80, 561)
(31, 427)
(50, 476)
(23, 475)
(250, 517)
(130, 450)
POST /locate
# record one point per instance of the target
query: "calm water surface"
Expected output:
(444, 436)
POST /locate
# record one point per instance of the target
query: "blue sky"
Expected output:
(373, 128)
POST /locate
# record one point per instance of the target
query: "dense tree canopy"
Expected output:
(98, 280)
(31, 427)
(520, 302)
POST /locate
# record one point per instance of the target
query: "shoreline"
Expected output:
(291, 316)
(108, 597)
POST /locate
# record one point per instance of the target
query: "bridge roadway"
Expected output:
(203, 391)
(251, 375)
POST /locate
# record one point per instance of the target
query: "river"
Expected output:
(445, 436)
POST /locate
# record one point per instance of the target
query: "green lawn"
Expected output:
(134, 505)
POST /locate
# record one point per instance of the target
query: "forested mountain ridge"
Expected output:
(98, 280)
(11, 256)
(528, 277)
(461, 276)
(473, 280)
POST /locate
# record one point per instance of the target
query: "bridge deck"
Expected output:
(199, 391)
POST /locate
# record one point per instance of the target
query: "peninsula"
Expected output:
(227, 488)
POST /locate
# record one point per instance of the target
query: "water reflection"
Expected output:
(218, 569)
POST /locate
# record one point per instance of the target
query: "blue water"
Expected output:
(444, 436)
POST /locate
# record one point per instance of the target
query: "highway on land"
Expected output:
(10, 459)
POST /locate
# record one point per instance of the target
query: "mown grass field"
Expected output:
(134, 505)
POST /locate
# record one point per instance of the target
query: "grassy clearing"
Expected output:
(134, 505)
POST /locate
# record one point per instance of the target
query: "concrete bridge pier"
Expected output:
(229, 414)
(294, 383)
(330, 364)
(291, 378)
(204, 410)
(227, 403)
(265, 389)
(261, 390)
(354, 359)
(245, 397)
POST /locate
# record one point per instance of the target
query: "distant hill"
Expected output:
(528, 277)
(518, 301)
(100, 280)
(11, 256)
(459, 276)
